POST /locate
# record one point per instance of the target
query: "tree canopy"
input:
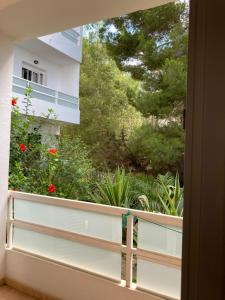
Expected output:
(107, 117)
(152, 46)
(133, 89)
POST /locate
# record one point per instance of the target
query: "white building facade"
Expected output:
(50, 65)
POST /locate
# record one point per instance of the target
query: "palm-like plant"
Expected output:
(114, 190)
(170, 194)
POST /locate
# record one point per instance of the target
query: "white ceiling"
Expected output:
(25, 19)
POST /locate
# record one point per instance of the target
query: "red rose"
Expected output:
(52, 151)
(14, 101)
(23, 148)
(51, 188)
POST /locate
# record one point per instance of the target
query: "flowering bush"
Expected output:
(52, 151)
(23, 148)
(63, 170)
(51, 188)
(14, 101)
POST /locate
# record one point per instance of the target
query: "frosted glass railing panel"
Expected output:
(67, 104)
(71, 35)
(18, 89)
(97, 225)
(44, 97)
(159, 278)
(103, 262)
(42, 89)
(157, 238)
(66, 97)
(20, 81)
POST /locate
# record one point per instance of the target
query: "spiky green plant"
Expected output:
(170, 194)
(114, 190)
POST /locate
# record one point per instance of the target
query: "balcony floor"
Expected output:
(8, 293)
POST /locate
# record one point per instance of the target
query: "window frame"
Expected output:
(41, 73)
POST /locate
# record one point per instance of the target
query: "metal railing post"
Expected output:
(9, 225)
(129, 251)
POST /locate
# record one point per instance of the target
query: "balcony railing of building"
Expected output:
(72, 35)
(98, 239)
(44, 93)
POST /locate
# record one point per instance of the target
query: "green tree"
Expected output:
(152, 46)
(107, 117)
(157, 149)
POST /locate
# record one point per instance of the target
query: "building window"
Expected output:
(33, 74)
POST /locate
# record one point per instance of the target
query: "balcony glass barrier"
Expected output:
(72, 35)
(89, 236)
(99, 261)
(107, 227)
(44, 93)
(159, 278)
(159, 238)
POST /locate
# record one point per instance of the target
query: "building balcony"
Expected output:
(69, 250)
(65, 107)
(68, 42)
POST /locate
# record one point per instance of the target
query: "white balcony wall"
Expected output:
(68, 72)
(65, 283)
(60, 91)
(61, 77)
(68, 42)
(24, 56)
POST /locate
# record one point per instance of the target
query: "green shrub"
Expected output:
(114, 189)
(143, 189)
(158, 149)
(63, 171)
(167, 194)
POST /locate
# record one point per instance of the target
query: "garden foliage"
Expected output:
(60, 168)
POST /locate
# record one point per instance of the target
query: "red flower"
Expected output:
(14, 189)
(51, 188)
(52, 151)
(23, 148)
(14, 101)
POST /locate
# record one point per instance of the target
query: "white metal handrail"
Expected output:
(56, 96)
(129, 250)
(72, 35)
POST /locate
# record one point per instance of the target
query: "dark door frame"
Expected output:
(203, 270)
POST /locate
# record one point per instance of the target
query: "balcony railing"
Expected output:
(44, 93)
(89, 237)
(72, 35)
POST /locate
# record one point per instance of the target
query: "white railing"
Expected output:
(72, 35)
(89, 237)
(44, 93)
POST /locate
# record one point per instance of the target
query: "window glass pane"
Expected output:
(158, 278)
(97, 225)
(35, 77)
(29, 75)
(24, 73)
(33, 74)
(159, 238)
(100, 261)
(41, 78)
